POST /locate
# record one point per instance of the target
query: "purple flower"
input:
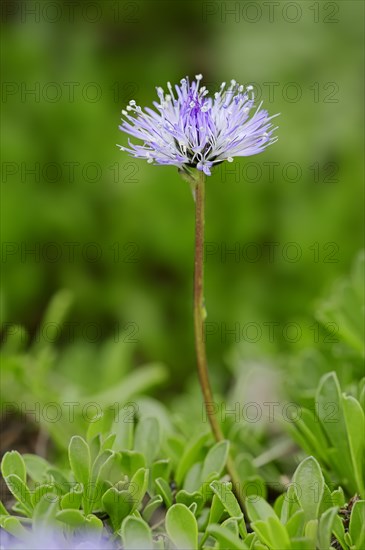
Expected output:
(55, 540)
(191, 130)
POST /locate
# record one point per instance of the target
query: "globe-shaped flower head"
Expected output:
(191, 130)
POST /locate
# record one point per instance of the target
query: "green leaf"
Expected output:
(302, 544)
(181, 527)
(137, 382)
(13, 526)
(108, 442)
(184, 497)
(136, 534)
(311, 435)
(190, 456)
(147, 438)
(332, 418)
(36, 467)
(192, 481)
(102, 466)
(132, 461)
(345, 307)
(216, 510)
(151, 507)
(338, 498)
(94, 524)
(54, 316)
(72, 499)
(13, 463)
(138, 487)
(259, 509)
(100, 424)
(74, 518)
(45, 513)
(215, 461)
(272, 533)
(356, 527)
(295, 524)
(325, 527)
(311, 530)
(339, 531)
(161, 468)
(3, 510)
(326, 501)
(21, 492)
(226, 538)
(163, 489)
(308, 484)
(42, 490)
(290, 504)
(118, 504)
(78, 520)
(223, 490)
(279, 535)
(80, 460)
(355, 422)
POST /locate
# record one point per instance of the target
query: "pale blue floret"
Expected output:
(189, 129)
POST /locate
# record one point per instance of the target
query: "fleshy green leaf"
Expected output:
(215, 461)
(181, 527)
(136, 534)
(79, 457)
(21, 492)
(356, 527)
(226, 538)
(355, 422)
(13, 463)
(147, 438)
(325, 528)
(118, 504)
(190, 456)
(308, 484)
(223, 490)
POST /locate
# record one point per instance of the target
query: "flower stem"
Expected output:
(199, 319)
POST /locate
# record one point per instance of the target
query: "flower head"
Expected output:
(55, 540)
(189, 129)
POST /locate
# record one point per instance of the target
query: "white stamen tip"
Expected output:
(192, 104)
(233, 82)
(129, 108)
(249, 88)
(132, 102)
(124, 112)
(198, 76)
(230, 159)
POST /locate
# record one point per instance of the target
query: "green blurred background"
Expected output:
(131, 225)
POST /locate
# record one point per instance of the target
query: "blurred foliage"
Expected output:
(139, 485)
(140, 217)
